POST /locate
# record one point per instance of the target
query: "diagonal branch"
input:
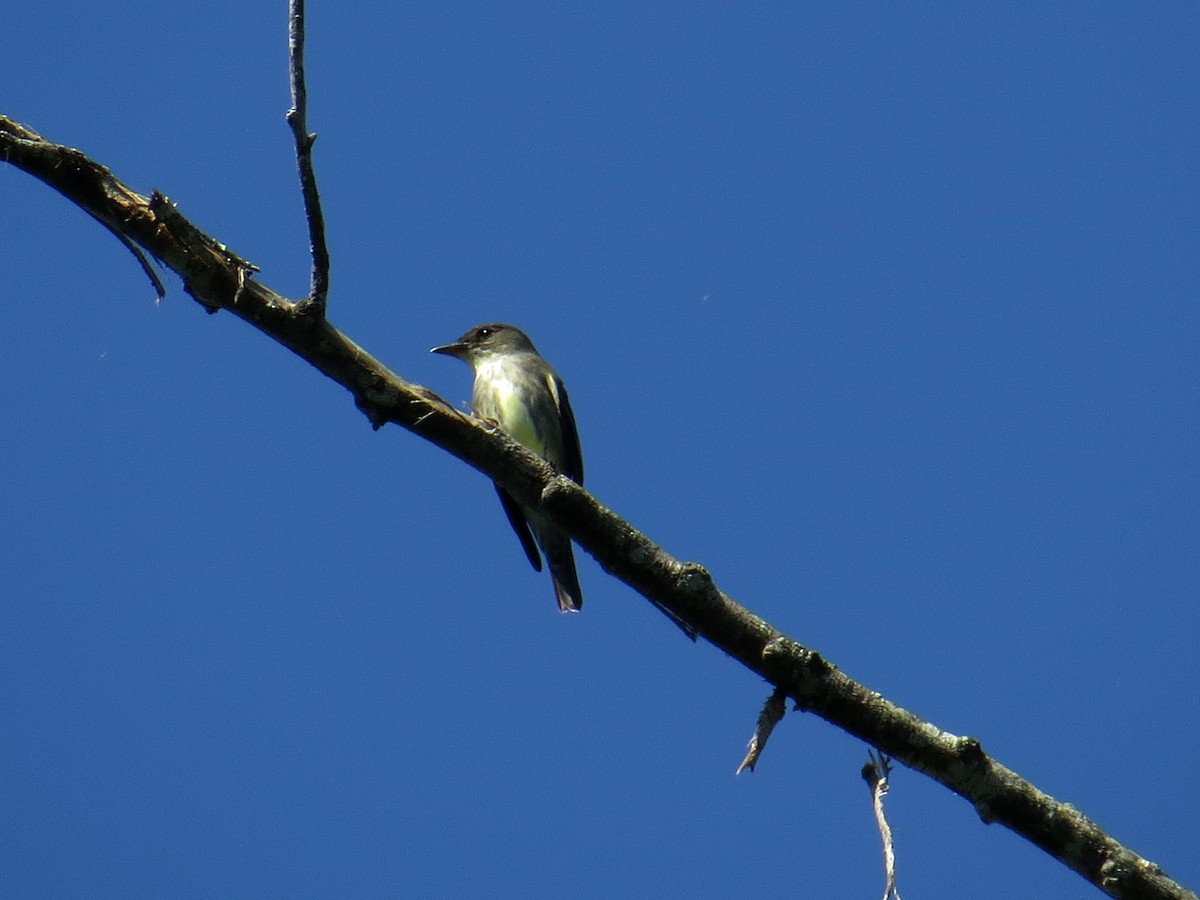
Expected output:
(218, 279)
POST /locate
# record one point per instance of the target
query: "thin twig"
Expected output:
(72, 160)
(297, 119)
(875, 773)
(159, 288)
(772, 713)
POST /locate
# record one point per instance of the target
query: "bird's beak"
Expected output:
(456, 350)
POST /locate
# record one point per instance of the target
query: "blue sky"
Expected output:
(887, 316)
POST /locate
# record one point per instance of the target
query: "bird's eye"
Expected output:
(484, 332)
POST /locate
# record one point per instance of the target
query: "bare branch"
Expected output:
(876, 773)
(219, 280)
(771, 715)
(297, 119)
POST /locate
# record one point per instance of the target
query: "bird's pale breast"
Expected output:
(500, 400)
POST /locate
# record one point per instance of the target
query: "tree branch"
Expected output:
(218, 279)
(876, 773)
(297, 119)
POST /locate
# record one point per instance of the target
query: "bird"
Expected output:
(522, 394)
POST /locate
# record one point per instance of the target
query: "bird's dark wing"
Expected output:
(573, 455)
(516, 519)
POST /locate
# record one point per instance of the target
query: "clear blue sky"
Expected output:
(887, 316)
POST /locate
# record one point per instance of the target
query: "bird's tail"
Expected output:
(561, 562)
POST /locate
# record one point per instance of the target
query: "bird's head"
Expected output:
(486, 341)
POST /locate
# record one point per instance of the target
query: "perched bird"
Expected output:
(520, 392)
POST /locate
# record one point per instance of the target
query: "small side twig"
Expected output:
(772, 712)
(159, 288)
(875, 773)
(73, 167)
(297, 119)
